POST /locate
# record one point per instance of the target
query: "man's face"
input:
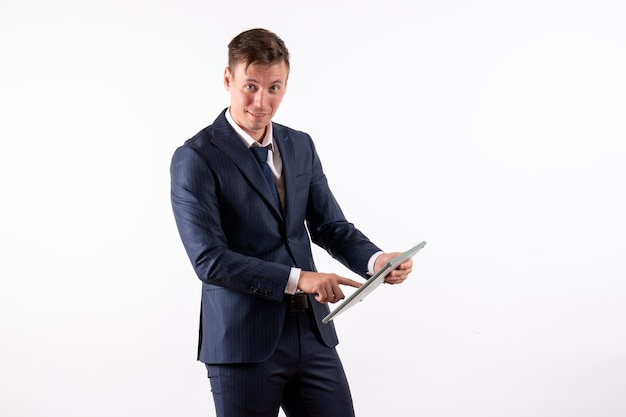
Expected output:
(255, 94)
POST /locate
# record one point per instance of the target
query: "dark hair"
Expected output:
(257, 46)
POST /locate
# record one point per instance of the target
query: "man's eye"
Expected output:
(249, 87)
(274, 88)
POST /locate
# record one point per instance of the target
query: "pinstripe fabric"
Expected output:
(303, 376)
(242, 247)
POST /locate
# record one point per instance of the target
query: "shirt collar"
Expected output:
(247, 139)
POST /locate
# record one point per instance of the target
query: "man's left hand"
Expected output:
(398, 275)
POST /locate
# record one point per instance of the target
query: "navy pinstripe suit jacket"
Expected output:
(242, 247)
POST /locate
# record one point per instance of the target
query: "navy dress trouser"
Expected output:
(303, 376)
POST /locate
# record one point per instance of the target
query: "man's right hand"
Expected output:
(325, 286)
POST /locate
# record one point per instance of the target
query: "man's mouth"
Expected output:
(257, 115)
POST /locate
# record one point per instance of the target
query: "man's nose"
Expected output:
(259, 99)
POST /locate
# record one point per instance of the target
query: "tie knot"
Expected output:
(260, 153)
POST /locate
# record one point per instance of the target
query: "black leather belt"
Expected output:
(299, 303)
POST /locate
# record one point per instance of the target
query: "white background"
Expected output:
(493, 130)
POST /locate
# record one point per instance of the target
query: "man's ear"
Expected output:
(228, 78)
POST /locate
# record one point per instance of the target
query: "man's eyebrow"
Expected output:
(254, 80)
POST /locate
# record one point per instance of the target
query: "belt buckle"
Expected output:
(299, 303)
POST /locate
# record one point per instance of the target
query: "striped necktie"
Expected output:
(260, 153)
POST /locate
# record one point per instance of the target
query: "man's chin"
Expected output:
(255, 129)
(258, 122)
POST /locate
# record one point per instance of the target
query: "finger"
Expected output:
(337, 294)
(407, 265)
(321, 295)
(398, 279)
(401, 272)
(349, 282)
(330, 292)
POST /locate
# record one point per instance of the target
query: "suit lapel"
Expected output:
(227, 140)
(287, 156)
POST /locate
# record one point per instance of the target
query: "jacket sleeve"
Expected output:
(197, 213)
(330, 229)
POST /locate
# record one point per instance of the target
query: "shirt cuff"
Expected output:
(372, 261)
(292, 284)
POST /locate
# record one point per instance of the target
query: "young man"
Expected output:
(245, 222)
